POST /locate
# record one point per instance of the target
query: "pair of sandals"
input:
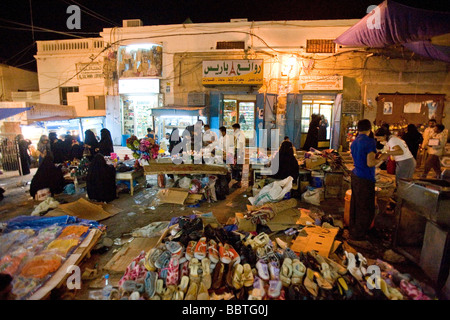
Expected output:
(292, 272)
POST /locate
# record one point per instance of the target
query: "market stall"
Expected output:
(37, 251)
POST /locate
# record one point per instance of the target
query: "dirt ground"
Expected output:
(132, 216)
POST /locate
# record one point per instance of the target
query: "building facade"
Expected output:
(264, 75)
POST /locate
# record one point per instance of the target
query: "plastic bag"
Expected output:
(312, 196)
(273, 192)
(184, 183)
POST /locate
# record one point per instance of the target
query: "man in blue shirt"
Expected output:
(362, 204)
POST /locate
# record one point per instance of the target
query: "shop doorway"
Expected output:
(136, 113)
(242, 112)
(322, 106)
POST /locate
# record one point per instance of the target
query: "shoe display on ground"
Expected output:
(242, 266)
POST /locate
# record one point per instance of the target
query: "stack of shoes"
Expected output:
(194, 262)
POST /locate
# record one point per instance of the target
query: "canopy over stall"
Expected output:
(31, 112)
(424, 32)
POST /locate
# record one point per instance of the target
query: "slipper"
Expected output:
(173, 272)
(322, 282)
(194, 266)
(131, 285)
(281, 243)
(261, 239)
(258, 288)
(202, 293)
(289, 253)
(237, 280)
(173, 246)
(275, 287)
(178, 295)
(298, 271)
(184, 283)
(274, 271)
(159, 287)
(192, 292)
(218, 275)
(263, 270)
(286, 272)
(150, 283)
(206, 272)
(169, 292)
(309, 283)
(247, 275)
(163, 260)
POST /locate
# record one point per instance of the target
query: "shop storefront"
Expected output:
(140, 69)
(318, 96)
(234, 99)
(170, 118)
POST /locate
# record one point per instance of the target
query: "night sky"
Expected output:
(17, 17)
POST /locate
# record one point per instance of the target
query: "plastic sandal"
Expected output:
(298, 271)
(263, 270)
(206, 272)
(150, 283)
(286, 272)
(247, 276)
(275, 287)
(173, 272)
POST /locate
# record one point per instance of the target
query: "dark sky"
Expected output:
(17, 17)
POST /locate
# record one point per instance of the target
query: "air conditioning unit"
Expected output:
(198, 99)
(132, 23)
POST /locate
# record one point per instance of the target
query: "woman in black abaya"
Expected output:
(101, 180)
(312, 138)
(47, 176)
(106, 145)
(91, 144)
(285, 162)
(25, 159)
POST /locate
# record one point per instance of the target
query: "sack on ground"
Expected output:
(312, 196)
(273, 192)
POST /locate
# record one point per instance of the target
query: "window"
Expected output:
(320, 46)
(96, 102)
(230, 45)
(63, 94)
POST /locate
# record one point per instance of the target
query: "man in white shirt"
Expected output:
(436, 146)
(239, 154)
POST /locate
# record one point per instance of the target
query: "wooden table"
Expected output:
(130, 176)
(170, 168)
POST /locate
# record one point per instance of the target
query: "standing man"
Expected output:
(239, 155)
(436, 145)
(362, 204)
(426, 135)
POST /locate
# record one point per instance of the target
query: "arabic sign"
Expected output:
(228, 72)
(92, 70)
(321, 82)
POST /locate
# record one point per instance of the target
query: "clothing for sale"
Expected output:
(101, 180)
(47, 176)
(362, 207)
(361, 147)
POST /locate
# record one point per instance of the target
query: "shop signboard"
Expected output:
(232, 72)
(321, 82)
(93, 70)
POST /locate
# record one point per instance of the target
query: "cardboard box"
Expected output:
(314, 162)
